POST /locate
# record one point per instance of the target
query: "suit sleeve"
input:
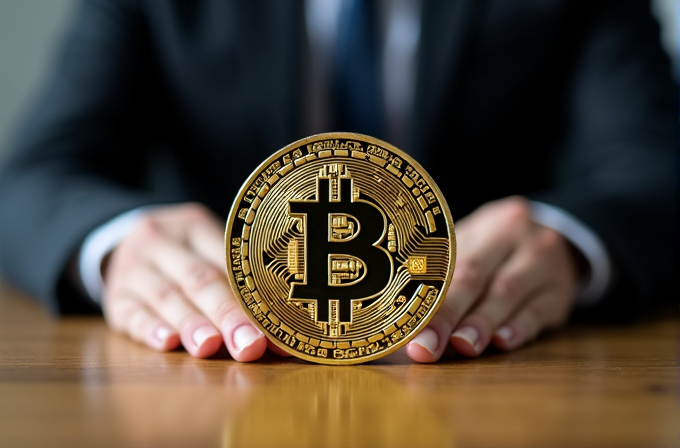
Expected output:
(79, 157)
(619, 168)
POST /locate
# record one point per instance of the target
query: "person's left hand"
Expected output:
(513, 278)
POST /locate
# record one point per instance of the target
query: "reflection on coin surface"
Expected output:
(340, 247)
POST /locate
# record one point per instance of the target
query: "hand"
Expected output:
(513, 278)
(165, 284)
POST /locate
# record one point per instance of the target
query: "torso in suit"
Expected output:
(567, 102)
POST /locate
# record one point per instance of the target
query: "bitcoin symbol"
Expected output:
(343, 259)
(339, 248)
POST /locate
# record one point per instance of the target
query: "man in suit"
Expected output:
(559, 118)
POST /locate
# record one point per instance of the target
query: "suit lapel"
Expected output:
(446, 29)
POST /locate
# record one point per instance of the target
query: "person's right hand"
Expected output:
(165, 284)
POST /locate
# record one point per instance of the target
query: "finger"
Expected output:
(199, 337)
(431, 342)
(524, 272)
(205, 286)
(540, 313)
(468, 283)
(128, 315)
(207, 238)
(484, 244)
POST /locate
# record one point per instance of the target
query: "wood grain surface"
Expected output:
(70, 382)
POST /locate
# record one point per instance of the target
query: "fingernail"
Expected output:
(505, 333)
(427, 339)
(468, 334)
(203, 333)
(163, 333)
(244, 336)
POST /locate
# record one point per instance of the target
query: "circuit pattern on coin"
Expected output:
(340, 248)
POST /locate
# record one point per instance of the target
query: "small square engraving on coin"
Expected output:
(417, 265)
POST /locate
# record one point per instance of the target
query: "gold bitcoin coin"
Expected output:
(340, 248)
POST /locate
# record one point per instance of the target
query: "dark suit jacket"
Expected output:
(569, 102)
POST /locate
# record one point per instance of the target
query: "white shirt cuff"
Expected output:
(586, 241)
(98, 244)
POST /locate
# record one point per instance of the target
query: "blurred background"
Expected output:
(31, 29)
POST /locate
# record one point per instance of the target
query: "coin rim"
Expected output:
(445, 209)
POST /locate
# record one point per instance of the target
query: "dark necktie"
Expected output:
(357, 99)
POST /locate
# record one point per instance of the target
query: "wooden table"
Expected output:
(71, 382)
